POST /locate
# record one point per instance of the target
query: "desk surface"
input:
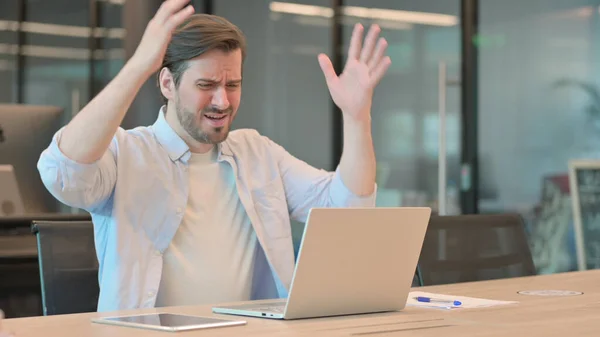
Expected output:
(533, 316)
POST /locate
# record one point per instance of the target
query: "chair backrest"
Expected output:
(68, 266)
(477, 247)
(417, 281)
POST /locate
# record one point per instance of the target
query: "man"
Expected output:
(184, 211)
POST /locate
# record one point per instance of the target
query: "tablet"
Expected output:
(168, 322)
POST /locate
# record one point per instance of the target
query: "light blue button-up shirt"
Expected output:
(137, 193)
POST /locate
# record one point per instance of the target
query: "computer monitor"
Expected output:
(25, 131)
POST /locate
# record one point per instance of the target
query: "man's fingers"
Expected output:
(327, 68)
(379, 53)
(355, 42)
(168, 8)
(178, 18)
(370, 40)
(380, 70)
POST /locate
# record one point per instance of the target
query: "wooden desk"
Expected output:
(533, 316)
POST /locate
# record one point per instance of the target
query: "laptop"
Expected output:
(351, 261)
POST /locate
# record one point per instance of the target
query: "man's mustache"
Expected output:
(214, 110)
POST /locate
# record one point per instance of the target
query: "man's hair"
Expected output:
(197, 35)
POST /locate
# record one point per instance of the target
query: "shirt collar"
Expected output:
(175, 145)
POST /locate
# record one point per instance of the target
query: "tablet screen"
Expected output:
(168, 320)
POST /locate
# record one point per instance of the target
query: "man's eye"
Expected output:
(204, 85)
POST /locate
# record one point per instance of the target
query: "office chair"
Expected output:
(417, 279)
(466, 248)
(68, 266)
(20, 294)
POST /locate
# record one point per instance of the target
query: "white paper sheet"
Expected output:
(466, 302)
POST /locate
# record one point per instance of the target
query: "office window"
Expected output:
(56, 54)
(110, 54)
(8, 50)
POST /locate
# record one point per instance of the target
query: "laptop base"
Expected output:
(273, 310)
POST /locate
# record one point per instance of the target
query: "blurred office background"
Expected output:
(521, 100)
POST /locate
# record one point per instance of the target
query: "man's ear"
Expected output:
(166, 83)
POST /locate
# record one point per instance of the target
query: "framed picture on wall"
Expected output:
(584, 181)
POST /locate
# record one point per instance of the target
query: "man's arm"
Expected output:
(79, 167)
(357, 165)
(87, 137)
(352, 92)
(307, 187)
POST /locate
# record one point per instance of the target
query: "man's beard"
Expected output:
(188, 120)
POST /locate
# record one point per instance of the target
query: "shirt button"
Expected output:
(179, 210)
(157, 253)
(150, 293)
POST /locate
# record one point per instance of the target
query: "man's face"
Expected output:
(208, 96)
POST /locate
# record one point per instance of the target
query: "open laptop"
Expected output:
(351, 261)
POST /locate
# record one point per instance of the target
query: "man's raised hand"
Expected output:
(153, 45)
(352, 91)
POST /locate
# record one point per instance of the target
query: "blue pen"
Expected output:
(433, 300)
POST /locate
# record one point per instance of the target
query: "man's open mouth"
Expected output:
(215, 117)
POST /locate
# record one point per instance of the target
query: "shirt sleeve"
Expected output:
(85, 186)
(307, 187)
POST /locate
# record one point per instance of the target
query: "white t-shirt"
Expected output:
(215, 253)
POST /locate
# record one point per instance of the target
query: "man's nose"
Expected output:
(220, 100)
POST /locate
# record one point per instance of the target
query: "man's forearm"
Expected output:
(88, 135)
(357, 165)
